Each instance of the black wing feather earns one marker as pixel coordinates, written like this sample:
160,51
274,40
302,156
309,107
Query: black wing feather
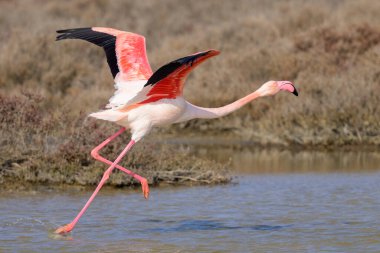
104,40
169,68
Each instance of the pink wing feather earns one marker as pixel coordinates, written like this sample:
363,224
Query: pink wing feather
168,81
125,51
131,55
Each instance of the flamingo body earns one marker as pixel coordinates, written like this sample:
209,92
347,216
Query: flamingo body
142,119
144,99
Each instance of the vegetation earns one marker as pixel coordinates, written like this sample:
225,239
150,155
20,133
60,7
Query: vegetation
330,49
43,148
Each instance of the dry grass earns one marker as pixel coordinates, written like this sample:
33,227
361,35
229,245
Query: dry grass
42,148
331,49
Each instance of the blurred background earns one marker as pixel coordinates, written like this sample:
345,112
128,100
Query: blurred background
307,167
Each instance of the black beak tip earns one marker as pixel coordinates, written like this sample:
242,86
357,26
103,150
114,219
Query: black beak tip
295,92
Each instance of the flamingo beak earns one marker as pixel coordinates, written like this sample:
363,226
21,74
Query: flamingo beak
288,86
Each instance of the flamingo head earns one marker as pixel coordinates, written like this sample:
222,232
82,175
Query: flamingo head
272,87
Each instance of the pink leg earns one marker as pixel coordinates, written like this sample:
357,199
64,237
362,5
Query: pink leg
95,154
67,228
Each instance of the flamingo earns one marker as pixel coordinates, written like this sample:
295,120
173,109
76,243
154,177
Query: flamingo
144,99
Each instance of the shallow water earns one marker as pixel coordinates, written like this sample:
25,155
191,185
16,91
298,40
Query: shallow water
329,210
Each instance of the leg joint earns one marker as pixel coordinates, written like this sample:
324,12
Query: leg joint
95,154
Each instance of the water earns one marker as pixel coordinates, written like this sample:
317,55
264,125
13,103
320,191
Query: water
281,210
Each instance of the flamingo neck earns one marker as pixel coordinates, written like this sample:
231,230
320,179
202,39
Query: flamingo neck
212,113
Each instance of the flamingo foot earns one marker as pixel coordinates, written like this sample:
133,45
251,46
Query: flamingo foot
145,187
64,229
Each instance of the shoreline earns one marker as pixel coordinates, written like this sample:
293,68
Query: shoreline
213,173
16,187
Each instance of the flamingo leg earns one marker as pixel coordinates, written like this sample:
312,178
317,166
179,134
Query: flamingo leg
95,154
67,228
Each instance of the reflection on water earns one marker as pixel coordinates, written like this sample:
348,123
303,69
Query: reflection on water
270,212
248,160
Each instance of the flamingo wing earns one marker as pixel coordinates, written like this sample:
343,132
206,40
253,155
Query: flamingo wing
125,51
168,81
